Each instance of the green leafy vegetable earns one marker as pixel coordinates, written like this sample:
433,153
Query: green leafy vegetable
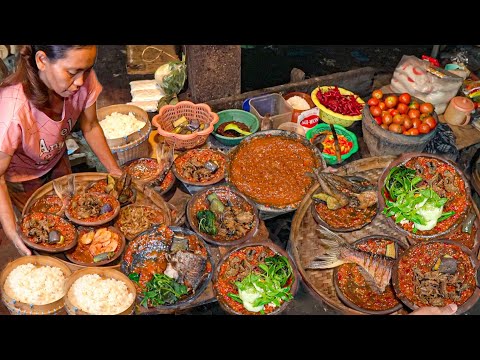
269,282
206,222
134,277
162,290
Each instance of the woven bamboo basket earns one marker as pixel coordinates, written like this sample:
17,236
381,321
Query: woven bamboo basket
20,308
134,145
305,246
104,273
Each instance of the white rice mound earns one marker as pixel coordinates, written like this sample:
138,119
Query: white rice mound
37,285
98,296
118,125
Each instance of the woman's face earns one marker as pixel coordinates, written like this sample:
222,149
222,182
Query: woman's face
65,76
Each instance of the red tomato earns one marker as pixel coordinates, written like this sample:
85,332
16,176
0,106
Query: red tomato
391,101
416,123
414,105
413,114
413,131
378,119
402,108
384,126
426,108
387,118
424,129
405,98
393,112
373,102
382,105
395,128
431,122
375,111
398,119
377,94
407,122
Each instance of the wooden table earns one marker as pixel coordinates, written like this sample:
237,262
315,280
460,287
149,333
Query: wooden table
465,136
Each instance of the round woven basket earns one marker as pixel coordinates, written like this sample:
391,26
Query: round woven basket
169,113
134,145
20,308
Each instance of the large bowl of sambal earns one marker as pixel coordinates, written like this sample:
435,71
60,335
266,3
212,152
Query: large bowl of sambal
271,167
436,273
257,278
424,196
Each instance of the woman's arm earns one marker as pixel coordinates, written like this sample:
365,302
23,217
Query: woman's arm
93,133
7,216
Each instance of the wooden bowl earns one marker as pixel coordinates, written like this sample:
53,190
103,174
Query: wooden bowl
400,279
351,303
225,192
21,308
224,300
83,230
149,244
104,273
106,198
69,243
130,236
421,235
204,154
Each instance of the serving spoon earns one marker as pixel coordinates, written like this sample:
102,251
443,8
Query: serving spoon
237,129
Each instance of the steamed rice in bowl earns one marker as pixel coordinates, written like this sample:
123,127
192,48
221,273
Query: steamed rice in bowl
97,295
36,285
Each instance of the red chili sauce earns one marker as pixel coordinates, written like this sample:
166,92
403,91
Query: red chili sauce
457,200
464,238
354,287
271,170
424,258
143,168
346,217
226,282
55,223
51,204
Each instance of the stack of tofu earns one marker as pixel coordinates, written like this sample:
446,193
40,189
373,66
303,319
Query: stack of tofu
145,94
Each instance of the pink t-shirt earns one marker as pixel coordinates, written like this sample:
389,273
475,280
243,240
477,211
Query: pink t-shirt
35,141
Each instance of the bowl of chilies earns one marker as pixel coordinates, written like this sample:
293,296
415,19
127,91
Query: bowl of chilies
322,134
337,105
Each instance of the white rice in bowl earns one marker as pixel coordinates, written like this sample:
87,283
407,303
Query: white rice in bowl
37,285
118,125
99,296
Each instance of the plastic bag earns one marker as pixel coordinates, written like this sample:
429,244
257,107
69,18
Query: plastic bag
426,82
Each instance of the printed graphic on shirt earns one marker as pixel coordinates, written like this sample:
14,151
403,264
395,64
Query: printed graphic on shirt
48,151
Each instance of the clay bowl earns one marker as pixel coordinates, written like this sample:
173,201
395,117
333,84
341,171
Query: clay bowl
234,308
400,278
422,235
71,305
149,166
100,185
399,248
280,134
70,233
199,202
21,308
203,155
83,230
102,219
165,219
345,228
148,245
49,203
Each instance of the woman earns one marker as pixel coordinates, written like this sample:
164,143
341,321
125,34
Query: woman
52,87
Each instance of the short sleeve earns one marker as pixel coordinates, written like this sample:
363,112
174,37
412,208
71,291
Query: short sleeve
94,88
10,129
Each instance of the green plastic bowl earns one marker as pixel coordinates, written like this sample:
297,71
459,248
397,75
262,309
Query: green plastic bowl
332,159
235,115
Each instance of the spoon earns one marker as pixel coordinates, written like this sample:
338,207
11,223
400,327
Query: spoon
236,128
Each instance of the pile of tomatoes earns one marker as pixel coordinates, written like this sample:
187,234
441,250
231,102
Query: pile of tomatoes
401,114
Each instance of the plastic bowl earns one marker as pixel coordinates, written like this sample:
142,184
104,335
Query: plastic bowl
332,159
235,115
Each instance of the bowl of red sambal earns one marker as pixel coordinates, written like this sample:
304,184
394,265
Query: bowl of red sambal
270,167
356,291
255,279
92,209
436,273
47,232
424,196
200,167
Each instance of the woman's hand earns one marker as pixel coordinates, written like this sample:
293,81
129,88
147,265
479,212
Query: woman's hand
435,310
21,248
116,172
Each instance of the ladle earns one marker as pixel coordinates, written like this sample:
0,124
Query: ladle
236,128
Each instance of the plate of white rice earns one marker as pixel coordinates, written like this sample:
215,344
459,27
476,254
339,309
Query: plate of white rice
118,125
99,295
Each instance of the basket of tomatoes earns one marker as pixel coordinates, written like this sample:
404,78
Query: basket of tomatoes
394,123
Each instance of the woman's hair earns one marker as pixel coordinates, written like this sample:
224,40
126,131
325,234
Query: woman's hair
26,71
